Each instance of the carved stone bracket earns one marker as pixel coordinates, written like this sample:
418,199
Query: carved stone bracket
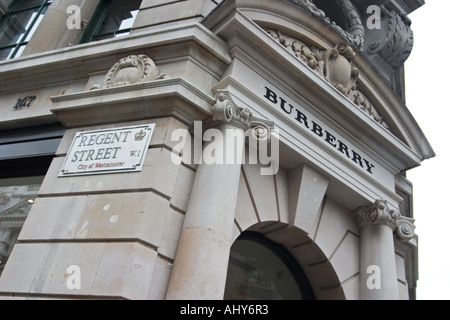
334,65
393,42
225,110
379,213
396,42
132,70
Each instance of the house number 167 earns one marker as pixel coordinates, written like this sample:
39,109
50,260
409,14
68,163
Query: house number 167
25,102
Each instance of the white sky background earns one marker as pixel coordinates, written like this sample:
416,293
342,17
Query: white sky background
427,86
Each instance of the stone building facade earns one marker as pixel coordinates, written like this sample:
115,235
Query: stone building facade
115,182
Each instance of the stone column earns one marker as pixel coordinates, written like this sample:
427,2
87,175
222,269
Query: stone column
53,32
201,262
378,226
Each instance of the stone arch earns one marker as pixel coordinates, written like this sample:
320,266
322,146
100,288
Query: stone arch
324,242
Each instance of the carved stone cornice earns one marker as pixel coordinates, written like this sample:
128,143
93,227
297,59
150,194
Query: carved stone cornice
380,214
226,111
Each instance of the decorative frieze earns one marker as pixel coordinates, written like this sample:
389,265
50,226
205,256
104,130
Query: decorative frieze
380,214
334,65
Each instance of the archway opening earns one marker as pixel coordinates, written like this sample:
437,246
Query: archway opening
260,269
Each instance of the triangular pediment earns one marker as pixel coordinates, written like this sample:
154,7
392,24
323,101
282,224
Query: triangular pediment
320,66
336,66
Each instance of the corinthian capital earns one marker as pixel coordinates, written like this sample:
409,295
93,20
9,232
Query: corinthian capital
380,213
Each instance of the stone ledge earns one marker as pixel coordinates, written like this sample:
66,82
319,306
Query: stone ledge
161,98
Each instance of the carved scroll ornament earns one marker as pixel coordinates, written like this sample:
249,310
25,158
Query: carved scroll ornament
225,110
380,213
336,66
132,70
396,43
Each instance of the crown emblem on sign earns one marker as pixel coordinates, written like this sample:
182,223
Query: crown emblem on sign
140,136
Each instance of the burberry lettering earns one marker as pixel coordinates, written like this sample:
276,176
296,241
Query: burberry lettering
331,139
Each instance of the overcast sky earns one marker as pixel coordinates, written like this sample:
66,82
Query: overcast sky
427,84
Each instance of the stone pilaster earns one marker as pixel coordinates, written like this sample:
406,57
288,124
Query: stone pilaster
201,262
378,224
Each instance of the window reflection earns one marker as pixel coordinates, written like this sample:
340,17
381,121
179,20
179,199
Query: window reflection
16,201
114,18
19,25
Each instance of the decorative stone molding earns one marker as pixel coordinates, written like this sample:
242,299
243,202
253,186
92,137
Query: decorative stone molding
309,4
225,110
351,14
396,43
336,66
132,70
379,213
356,34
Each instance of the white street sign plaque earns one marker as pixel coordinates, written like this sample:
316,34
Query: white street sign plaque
115,150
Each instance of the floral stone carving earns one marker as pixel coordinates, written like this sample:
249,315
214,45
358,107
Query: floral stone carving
336,66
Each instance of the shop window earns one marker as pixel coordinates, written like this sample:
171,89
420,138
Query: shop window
113,18
262,270
17,196
19,24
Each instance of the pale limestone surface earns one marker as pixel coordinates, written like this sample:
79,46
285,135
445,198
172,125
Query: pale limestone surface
157,234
